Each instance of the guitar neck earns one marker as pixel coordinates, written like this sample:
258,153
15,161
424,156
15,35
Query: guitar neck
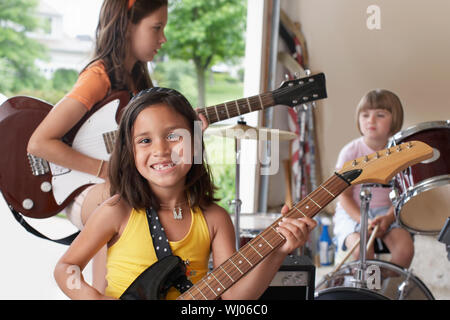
219,280
236,108
215,113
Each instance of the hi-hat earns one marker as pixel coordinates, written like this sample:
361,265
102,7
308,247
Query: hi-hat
243,131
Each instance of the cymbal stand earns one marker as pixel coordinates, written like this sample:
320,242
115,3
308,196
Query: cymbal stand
237,201
365,196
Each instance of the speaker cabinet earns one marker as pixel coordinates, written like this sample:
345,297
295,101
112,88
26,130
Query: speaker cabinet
295,280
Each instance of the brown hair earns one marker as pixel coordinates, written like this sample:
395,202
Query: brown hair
111,40
382,99
125,179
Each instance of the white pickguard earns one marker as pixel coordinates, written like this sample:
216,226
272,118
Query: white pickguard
89,141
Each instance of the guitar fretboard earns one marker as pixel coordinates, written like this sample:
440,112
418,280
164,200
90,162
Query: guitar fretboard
219,280
237,107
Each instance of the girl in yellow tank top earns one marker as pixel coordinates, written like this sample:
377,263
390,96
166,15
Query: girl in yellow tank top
158,163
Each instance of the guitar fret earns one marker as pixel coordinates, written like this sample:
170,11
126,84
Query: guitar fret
266,241
245,258
260,102
218,281
328,191
295,207
314,202
198,289
226,109
215,108
236,266
206,282
249,105
226,273
282,237
189,291
212,273
207,115
255,250
237,106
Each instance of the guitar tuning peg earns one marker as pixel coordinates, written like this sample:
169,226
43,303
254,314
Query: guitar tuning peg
296,75
286,77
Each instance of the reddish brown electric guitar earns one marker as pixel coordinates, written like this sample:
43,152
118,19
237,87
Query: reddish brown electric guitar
40,189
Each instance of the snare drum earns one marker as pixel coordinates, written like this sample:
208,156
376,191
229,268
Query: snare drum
399,285
423,190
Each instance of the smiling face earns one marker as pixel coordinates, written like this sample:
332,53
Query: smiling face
147,36
162,146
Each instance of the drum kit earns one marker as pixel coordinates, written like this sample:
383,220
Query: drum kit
420,195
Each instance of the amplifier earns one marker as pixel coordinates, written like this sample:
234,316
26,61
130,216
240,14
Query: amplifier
295,280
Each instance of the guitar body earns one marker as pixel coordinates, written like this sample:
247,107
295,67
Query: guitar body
51,188
156,280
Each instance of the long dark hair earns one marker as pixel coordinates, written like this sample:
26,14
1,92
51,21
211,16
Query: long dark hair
111,40
124,177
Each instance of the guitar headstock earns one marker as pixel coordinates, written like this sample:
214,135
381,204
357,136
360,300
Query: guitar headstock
295,92
381,166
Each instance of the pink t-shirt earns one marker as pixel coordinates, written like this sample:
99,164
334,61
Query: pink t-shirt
355,149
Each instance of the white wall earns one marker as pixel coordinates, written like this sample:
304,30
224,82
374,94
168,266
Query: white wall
409,55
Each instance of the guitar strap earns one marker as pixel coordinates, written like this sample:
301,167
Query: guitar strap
66,241
162,247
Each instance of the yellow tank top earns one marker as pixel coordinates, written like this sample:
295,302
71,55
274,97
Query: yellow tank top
134,252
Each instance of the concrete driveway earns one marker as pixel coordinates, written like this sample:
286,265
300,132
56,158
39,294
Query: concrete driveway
27,262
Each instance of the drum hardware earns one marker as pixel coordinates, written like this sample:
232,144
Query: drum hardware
242,131
369,243
365,196
403,288
444,236
347,282
402,285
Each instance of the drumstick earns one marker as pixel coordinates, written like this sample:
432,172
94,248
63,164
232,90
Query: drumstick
372,237
369,243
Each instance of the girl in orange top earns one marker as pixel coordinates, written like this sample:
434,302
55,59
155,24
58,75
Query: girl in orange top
156,164
129,35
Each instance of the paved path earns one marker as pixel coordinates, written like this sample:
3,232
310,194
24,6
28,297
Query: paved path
26,261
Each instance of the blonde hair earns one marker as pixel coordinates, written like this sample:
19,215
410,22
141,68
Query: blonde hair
382,99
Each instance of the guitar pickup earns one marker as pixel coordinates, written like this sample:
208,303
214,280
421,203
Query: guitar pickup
38,165
109,139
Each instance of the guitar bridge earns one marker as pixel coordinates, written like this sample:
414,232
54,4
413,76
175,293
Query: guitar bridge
38,165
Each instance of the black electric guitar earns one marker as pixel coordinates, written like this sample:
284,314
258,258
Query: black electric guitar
40,189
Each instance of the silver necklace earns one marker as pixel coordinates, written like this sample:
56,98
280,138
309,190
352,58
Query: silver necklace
177,211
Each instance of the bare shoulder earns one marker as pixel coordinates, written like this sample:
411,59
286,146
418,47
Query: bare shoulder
217,219
216,213
114,211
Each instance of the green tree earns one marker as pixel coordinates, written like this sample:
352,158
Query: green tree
17,51
64,79
205,32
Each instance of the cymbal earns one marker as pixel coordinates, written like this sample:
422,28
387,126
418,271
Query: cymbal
243,131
